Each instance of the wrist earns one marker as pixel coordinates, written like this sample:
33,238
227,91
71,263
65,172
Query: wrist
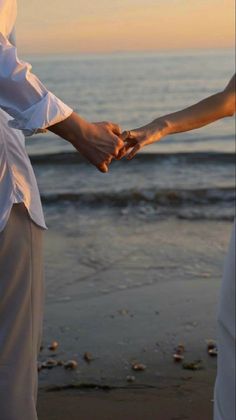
73,129
160,128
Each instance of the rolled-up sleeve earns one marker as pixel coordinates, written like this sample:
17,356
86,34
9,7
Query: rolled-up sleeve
32,107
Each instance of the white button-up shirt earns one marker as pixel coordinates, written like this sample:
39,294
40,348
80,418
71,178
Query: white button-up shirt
26,106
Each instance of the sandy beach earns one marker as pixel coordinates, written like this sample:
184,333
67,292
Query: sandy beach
131,298
186,401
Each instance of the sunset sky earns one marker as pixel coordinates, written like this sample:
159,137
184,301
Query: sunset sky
59,26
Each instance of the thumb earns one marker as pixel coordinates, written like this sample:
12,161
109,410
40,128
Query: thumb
134,151
123,152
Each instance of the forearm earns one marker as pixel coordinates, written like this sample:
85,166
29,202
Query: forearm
73,129
203,113
207,111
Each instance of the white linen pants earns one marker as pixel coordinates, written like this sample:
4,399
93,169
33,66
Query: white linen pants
21,315
224,400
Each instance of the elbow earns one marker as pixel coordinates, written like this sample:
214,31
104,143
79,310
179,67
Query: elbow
231,110
231,105
228,103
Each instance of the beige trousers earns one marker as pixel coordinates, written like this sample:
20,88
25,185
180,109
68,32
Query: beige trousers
21,315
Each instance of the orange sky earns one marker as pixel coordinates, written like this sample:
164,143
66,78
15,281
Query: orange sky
47,26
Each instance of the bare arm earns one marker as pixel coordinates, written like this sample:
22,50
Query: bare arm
211,109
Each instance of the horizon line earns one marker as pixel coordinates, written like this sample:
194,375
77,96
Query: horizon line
117,52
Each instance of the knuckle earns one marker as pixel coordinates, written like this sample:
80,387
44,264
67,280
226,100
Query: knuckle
120,143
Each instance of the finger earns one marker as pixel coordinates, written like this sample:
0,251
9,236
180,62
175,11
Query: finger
123,152
120,154
135,150
116,129
131,142
103,167
119,144
127,135
108,161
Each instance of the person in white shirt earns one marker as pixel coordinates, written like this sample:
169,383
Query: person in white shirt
27,107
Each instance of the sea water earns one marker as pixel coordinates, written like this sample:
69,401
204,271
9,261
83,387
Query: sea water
188,175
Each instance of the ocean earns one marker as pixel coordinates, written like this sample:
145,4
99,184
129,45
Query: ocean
189,175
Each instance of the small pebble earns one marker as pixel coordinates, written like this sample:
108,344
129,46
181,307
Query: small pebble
53,346
213,352
138,367
71,365
212,348
211,344
178,357
88,357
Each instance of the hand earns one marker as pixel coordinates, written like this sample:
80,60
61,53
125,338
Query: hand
99,143
136,139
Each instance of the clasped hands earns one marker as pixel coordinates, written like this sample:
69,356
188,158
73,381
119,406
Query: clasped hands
102,142
108,142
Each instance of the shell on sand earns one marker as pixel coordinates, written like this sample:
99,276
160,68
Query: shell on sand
178,357
212,348
138,367
53,346
71,365
213,352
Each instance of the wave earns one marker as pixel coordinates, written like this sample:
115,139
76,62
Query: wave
162,197
71,158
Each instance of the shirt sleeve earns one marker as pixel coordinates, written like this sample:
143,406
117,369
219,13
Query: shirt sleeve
22,95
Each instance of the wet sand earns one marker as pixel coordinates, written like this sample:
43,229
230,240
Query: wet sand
180,402
131,298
